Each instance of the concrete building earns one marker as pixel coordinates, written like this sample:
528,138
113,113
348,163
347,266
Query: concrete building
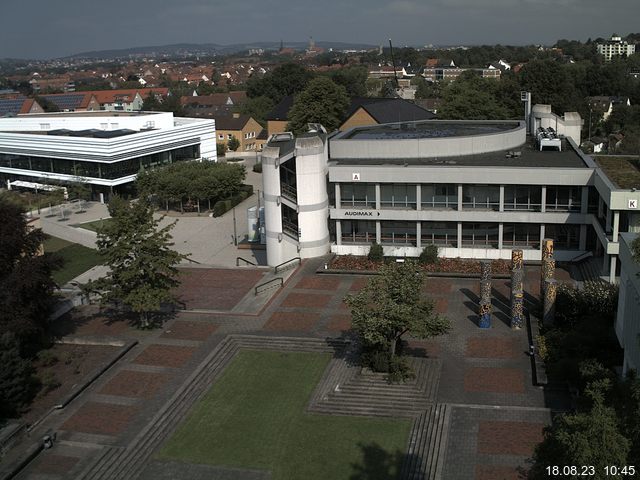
615,47
476,189
105,150
628,317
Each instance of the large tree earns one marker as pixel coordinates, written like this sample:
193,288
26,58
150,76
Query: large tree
26,286
286,79
471,97
393,304
142,265
321,102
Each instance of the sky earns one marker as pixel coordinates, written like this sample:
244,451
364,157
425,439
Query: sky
55,28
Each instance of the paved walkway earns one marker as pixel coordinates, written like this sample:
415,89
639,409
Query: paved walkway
483,379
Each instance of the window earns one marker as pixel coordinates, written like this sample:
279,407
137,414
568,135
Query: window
522,197
398,233
482,197
229,136
563,199
398,195
358,195
439,196
521,235
483,235
290,221
220,137
358,231
442,234
565,237
45,126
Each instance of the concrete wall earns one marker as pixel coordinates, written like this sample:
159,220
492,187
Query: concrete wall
429,147
627,324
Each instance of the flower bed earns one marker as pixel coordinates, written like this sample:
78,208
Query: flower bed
443,265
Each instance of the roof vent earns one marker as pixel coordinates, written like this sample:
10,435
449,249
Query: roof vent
281,137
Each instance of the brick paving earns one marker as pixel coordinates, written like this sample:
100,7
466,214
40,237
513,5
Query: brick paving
100,418
51,464
479,367
165,355
492,347
509,438
215,288
130,383
306,300
496,472
189,330
494,380
292,322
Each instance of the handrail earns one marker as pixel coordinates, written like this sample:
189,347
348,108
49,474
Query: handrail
248,262
581,257
269,283
193,261
283,264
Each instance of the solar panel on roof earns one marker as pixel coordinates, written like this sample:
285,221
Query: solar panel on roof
65,102
11,106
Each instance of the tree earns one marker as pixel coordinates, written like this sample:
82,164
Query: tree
471,97
26,286
142,266
321,102
392,304
258,108
353,79
286,79
590,438
233,144
16,380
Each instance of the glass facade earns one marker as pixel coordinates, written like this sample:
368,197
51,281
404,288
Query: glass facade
482,235
481,197
565,237
563,199
358,231
523,197
358,195
109,171
523,235
442,234
438,196
290,221
398,233
398,195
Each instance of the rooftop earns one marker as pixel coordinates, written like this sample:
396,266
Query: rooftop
430,129
526,156
624,172
89,133
97,113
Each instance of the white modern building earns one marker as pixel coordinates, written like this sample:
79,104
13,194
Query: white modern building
103,149
615,47
476,189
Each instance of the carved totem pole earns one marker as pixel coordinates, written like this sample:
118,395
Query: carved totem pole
485,294
517,289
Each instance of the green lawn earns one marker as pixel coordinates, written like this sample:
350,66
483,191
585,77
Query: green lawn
93,226
77,258
253,417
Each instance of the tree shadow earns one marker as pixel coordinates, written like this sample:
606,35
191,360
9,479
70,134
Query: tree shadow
347,347
380,464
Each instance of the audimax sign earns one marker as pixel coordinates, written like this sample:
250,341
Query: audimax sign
361,213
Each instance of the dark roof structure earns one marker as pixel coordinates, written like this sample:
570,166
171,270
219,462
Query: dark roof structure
231,122
11,106
390,110
281,110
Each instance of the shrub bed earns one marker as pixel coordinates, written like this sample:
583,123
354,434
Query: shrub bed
223,206
443,265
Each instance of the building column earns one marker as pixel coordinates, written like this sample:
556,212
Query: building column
378,199
378,232
338,197
542,236
459,235
584,206
608,221
616,225
338,232
583,238
612,269
418,197
543,203
500,234
501,204
418,234
459,199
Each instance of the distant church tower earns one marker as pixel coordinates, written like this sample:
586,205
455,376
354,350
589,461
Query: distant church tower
312,44
281,46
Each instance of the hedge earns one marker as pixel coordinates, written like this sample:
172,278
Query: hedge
223,206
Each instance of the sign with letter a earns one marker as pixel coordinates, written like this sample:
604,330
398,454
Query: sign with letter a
355,177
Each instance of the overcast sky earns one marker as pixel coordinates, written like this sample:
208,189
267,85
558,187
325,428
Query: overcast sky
54,28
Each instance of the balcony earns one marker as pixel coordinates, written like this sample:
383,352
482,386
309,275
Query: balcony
289,192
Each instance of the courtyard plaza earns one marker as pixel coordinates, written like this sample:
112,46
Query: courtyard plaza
472,413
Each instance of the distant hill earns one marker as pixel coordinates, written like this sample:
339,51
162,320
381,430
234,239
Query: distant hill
181,49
